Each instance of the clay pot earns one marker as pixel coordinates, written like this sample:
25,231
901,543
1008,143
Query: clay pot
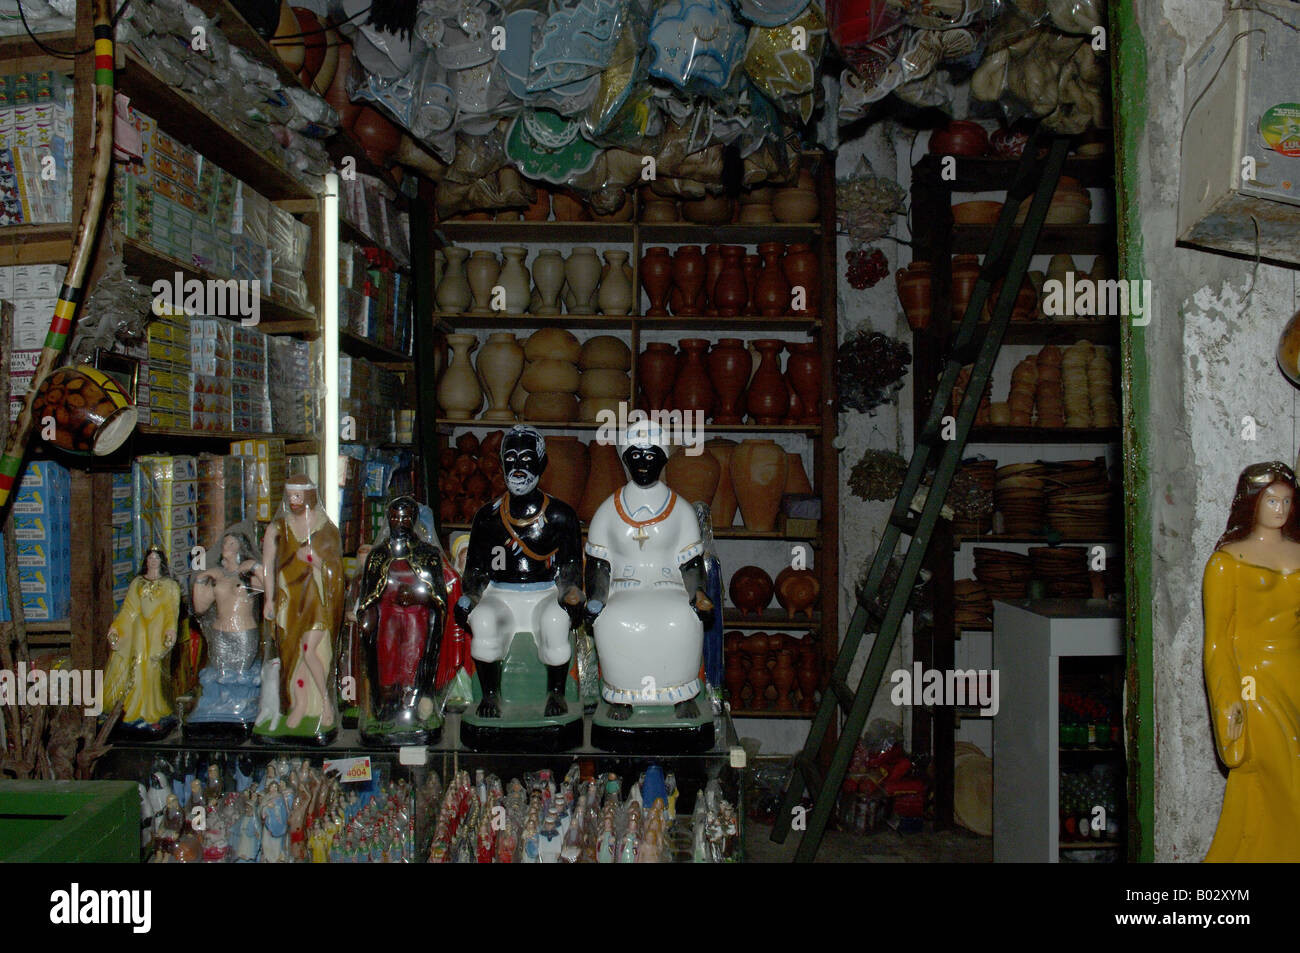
767,400
809,675
794,205
804,372
960,137
621,214
313,44
753,264
772,296
514,279
337,95
291,50
569,209
730,292
657,279
913,284
540,210
692,390
615,295
783,677
482,272
548,276
657,209
604,351
378,136
552,343
656,370
687,296
582,270
794,412
760,677
734,677
518,399
802,270
550,375
751,590
729,365
499,365
695,478
459,393
796,480
551,407
965,272
722,509
758,471
709,210
712,268
453,295
566,469
605,475
797,591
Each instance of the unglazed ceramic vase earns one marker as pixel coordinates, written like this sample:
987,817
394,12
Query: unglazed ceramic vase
804,371
514,279
566,469
772,296
794,205
459,392
965,272
796,479
687,296
695,478
692,390
913,283
722,509
753,266
729,292
500,363
656,370
540,210
615,296
453,290
783,680
729,365
657,279
482,272
801,270
809,675
548,275
569,209
582,271
734,676
439,266
758,469
751,590
605,475
768,400
797,591
712,268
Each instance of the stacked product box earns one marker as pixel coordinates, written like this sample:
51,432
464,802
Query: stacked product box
167,497
250,230
289,244
371,397
169,371
34,290
211,393
123,531
221,497
371,207
250,396
291,388
352,508
374,296
42,522
35,148
265,471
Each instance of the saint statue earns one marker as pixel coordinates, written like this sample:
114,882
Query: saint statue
141,639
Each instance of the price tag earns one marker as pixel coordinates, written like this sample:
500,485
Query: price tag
738,757
350,769
416,755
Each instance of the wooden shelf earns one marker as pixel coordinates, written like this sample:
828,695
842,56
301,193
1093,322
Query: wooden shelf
774,713
357,346
548,425
673,233
1043,435
21,54
44,244
186,120
293,443
501,319
550,233
1053,239
704,324
1105,331
736,532
699,323
1044,540
276,317
768,619
991,174
354,233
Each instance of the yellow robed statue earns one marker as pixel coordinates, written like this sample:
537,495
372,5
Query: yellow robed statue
141,639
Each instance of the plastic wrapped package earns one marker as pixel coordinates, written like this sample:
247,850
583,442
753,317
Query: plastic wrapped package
697,45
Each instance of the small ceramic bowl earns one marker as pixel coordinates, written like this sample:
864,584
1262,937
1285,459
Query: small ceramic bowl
976,213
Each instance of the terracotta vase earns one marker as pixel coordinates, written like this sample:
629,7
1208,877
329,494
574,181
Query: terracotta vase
965,272
482,272
582,271
695,478
656,370
567,468
809,676
688,280
500,364
722,509
753,264
758,469
796,479
514,279
604,475
548,276
569,209
794,409
783,677
453,293
729,365
615,295
802,270
751,590
794,205
804,371
797,591
772,295
734,676
729,292
658,209
540,210
712,268
692,390
337,94
913,283
459,392
760,677
657,279
767,400
378,136
708,210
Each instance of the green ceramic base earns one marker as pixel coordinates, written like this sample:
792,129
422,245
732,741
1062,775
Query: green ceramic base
307,733
396,734
653,729
523,700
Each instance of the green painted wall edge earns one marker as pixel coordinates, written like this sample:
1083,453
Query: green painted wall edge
1128,96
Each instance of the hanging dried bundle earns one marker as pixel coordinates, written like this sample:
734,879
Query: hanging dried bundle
878,475
865,204
871,368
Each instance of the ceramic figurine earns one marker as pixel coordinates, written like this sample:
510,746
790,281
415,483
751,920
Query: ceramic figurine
303,559
248,830
227,600
713,664
1251,588
403,614
141,639
274,813
455,666
645,587
523,575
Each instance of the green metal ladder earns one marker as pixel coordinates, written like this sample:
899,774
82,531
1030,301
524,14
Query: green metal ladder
1036,177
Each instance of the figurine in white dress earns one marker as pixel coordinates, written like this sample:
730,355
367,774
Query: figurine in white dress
645,586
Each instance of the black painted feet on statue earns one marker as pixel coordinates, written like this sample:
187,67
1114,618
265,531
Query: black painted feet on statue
556,705
686,709
489,680
555,676
620,712
490,706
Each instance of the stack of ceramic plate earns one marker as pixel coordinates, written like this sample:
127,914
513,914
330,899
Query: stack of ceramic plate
1080,498
1074,381
1003,575
1063,569
1018,496
971,497
972,607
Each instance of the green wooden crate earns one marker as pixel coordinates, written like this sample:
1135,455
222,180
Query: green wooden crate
69,822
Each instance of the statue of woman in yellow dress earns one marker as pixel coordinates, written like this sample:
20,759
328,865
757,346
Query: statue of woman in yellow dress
141,639
1252,667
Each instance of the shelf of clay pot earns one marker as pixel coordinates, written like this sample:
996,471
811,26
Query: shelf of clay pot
777,620
44,244
276,317
294,443
500,319
357,346
1052,240
549,425
768,619
773,713
187,121
569,233
687,233
991,174
1033,540
1043,435
754,322
1105,331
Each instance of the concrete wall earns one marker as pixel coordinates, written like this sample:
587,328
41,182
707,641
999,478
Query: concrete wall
1210,350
